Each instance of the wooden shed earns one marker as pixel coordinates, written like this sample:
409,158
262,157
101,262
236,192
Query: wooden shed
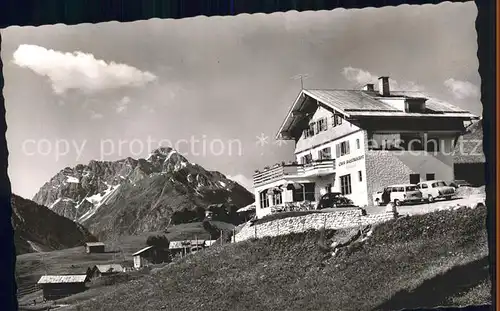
142,258
103,270
150,255
60,286
182,248
94,247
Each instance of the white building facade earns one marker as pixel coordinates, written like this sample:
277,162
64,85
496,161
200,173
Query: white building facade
356,142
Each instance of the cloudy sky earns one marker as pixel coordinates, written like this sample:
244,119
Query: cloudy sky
211,86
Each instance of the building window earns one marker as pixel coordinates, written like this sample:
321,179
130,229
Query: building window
430,176
414,178
432,144
345,184
325,154
358,144
277,199
263,199
310,131
309,193
328,188
306,159
322,125
360,174
336,120
305,193
342,148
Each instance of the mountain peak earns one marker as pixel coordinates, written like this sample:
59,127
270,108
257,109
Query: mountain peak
137,195
161,152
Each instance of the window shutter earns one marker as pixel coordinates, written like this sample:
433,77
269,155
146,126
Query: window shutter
347,150
337,150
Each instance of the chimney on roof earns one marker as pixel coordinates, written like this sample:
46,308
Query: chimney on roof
383,86
368,87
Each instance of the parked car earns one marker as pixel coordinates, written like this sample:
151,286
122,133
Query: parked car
377,197
398,194
459,183
435,189
334,199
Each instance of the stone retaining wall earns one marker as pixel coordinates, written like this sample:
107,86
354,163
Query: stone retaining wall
330,220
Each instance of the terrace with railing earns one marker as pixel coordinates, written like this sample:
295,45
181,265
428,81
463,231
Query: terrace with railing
284,170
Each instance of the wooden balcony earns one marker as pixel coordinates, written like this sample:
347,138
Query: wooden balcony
282,171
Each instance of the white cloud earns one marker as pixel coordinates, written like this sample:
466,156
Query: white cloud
243,180
78,70
148,108
95,116
362,77
122,105
462,89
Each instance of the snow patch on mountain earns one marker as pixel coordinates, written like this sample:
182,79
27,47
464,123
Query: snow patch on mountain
98,200
35,247
71,179
51,206
169,155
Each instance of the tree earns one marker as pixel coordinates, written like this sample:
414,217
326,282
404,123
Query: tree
200,213
211,229
160,241
161,251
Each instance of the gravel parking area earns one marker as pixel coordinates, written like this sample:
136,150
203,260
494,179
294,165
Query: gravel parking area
423,208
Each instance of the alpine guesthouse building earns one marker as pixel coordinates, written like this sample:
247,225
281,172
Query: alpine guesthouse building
358,141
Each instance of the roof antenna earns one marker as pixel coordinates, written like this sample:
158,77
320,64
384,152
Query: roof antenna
301,77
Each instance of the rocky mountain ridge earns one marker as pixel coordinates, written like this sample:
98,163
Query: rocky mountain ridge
136,195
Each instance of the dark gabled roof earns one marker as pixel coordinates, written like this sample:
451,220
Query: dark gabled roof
359,103
368,101
469,147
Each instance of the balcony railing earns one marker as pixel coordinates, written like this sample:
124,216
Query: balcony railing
280,171
276,172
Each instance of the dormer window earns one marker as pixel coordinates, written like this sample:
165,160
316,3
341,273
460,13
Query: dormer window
415,105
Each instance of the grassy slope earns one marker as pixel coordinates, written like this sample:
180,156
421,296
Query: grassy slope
403,263
74,260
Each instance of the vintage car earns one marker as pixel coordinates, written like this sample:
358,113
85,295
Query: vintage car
398,194
435,189
459,183
334,199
